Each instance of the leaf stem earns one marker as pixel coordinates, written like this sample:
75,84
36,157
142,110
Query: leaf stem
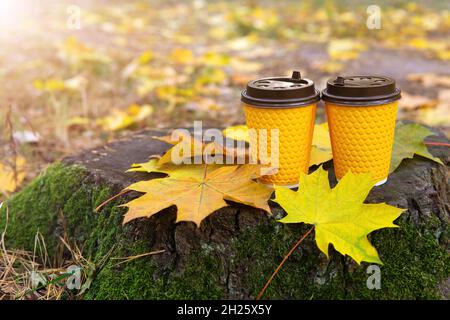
261,293
434,143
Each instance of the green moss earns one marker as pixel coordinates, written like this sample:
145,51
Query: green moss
61,201
414,263
137,280
263,248
40,205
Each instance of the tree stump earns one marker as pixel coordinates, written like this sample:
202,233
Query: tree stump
237,248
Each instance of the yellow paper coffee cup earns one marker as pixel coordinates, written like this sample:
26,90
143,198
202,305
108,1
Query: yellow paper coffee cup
361,112
280,113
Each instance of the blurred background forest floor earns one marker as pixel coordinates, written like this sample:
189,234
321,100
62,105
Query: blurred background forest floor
164,64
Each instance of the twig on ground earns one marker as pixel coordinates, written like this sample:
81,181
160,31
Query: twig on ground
261,293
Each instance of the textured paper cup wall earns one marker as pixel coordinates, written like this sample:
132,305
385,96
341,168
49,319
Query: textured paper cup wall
362,138
295,127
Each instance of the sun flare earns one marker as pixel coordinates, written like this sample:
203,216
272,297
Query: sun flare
13,13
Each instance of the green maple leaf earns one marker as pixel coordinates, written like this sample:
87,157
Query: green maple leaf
409,141
339,215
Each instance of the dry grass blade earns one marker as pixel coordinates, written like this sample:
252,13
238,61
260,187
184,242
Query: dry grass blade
131,258
31,276
121,193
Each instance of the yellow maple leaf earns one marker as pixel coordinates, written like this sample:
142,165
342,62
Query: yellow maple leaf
172,138
198,191
321,145
119,120
186,146
79,121
340,216
413,102
76,53
245,66
49,85
182,56
193,148
330,66
430,79
239,133
10,181
139,113
345,49
175,94
211,76
53,85
215,59
443,54
150,166
145,57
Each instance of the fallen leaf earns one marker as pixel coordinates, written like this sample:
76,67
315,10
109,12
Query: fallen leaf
239,79
49,85
139,113
196,148
340,216
172,138
430,79
145,86
174,94
120,120
413,102
79,121
215,59
149,167
345,49
197,191
10,178
243,43
330,66
77,53
203,105
440,114
76,83
443,54
436,47
53,85
211,76
245,66
419,43
321,145
193,148
145,57
182,56
408,141
239,133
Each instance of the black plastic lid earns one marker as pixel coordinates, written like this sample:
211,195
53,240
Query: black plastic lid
361,90
280,92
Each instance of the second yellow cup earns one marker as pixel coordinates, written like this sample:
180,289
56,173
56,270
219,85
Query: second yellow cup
361,112
281,108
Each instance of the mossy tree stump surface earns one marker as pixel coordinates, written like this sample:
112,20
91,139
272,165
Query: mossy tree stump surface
238,247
